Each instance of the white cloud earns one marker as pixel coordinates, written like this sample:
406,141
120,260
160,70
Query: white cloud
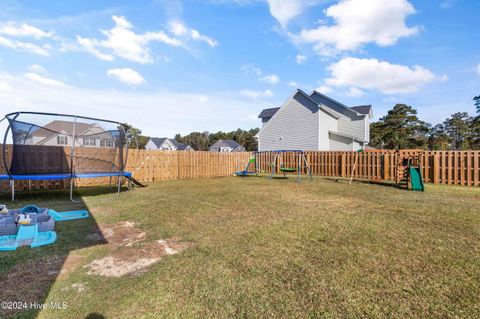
359,22
89,46
180,30
270,79
127,76
354,92
23,30
125,43
37,69
293,84
203,98
44,80
447,4
25,46
300,59
478,68
256,94
286,10
324,89
181,112
251,69
372,74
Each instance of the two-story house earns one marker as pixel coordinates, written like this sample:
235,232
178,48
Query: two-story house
314,122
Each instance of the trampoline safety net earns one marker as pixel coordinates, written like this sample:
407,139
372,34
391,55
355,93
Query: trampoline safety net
44,143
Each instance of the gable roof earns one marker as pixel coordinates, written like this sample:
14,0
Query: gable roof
225,143
179,146
351,110
158,141
58,126
362,109
308,97
268,112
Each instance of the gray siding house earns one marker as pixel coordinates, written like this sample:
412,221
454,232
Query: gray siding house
166,144
226,146
314,122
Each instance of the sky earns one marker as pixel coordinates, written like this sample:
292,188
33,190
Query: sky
170,66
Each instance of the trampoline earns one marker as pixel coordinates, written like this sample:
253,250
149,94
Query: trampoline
49,146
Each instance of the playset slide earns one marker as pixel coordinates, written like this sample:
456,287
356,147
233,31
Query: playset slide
416,178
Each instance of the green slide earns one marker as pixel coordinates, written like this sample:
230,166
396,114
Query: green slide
416,179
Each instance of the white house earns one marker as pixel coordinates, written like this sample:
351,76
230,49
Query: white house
60,133
166,144
314,122
226,146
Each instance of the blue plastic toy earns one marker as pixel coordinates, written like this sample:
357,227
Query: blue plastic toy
31,226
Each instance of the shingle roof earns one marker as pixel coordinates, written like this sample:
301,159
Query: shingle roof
268,112
58,126
225,143
158,141
179,146
362,109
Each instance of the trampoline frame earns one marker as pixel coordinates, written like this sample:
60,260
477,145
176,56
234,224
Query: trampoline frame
72,175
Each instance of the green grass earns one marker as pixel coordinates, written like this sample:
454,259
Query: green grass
275,248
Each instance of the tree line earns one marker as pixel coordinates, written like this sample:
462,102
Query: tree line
401,128
201,141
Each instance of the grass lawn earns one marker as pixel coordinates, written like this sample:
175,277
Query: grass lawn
254,247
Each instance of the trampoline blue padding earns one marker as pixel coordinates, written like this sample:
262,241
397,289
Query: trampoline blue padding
44,177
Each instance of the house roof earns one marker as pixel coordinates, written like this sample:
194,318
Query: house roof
225,143
347,136
362,109
58,126
308,97
314,92
179,146
158,141
268,112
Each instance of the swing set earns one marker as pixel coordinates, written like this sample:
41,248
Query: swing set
300,159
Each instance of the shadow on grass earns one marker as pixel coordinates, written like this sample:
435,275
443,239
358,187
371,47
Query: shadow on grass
28,274
372,182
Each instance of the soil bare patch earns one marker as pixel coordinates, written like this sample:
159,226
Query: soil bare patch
130,260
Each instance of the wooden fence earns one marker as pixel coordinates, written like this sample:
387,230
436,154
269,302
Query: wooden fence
439,167
146,166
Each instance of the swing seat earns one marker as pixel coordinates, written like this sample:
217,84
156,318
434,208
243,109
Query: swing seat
288,169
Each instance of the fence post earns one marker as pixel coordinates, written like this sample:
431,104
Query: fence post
343,164
436,170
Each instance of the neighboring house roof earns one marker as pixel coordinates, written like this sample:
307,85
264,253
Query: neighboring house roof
180,146
158,141
58,126
268,112
362,109
225,143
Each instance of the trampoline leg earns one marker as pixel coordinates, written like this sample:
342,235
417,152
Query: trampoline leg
119,185
12,187
72,184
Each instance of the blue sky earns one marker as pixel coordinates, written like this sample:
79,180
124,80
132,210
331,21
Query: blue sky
179,66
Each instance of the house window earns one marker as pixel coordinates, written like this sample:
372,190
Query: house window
88,141
106,142
61,140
